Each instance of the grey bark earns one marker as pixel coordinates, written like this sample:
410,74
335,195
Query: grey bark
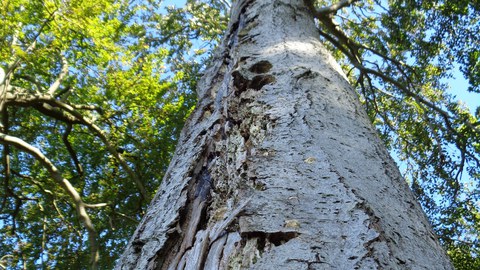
279,166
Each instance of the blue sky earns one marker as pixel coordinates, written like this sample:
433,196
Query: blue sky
177,3
458,87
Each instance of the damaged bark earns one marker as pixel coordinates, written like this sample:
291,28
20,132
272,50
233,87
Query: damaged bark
279,167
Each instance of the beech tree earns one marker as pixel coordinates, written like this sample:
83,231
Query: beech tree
279,166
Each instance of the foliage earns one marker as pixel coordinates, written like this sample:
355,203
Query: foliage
93,97
400,56
102,89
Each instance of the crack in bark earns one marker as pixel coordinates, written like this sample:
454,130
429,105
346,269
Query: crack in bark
193,218
310,263
374,222
276,238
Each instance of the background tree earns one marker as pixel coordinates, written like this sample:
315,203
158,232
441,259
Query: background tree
129,68
399,56
90,116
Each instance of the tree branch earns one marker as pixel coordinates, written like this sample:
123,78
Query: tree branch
350,48
96,205
30,48
342,37
61,76
125,216
67,113
65,184
2,76
334,8
70,149
101,134
31,79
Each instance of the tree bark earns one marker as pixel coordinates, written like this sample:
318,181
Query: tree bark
279,166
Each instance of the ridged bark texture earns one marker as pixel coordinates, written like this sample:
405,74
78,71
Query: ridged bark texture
279,167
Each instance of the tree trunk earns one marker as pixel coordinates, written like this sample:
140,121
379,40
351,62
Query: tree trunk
279,166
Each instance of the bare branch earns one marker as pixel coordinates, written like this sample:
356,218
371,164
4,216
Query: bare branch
87,108
342,37
30,48
4,82
96,205
407,91
2,76
335,7
38,102
125,216
31,179
20,96
61,76
4,258
70,149
62,217
6,155
226,4
67,113
339,45
101,134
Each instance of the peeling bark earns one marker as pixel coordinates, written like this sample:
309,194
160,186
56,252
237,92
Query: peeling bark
279,167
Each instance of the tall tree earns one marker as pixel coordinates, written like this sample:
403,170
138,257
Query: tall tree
279,166
128,67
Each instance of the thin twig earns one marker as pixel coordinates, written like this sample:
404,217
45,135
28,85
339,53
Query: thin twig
71,151
335,7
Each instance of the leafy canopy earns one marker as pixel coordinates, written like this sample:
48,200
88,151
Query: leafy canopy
101,90
401,56
93,96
